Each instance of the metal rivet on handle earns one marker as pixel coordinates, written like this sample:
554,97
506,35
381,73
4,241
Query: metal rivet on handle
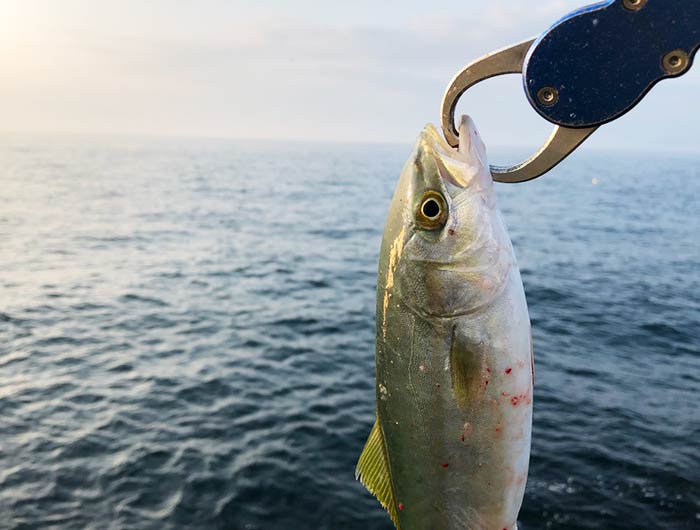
634,5
548,96
675,62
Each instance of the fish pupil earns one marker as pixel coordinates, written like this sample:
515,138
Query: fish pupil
431,209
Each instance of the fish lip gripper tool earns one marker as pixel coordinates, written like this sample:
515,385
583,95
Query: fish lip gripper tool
588,69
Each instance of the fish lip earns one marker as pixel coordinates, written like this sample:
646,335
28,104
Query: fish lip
455,168
432,138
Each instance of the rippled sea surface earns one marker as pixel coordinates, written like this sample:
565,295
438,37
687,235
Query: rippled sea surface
187,335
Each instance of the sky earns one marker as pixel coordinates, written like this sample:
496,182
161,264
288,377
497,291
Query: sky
361,71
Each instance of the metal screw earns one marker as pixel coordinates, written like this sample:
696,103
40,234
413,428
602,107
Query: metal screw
634,5
675,62
548,96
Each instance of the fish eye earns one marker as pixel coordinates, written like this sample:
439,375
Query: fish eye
432,211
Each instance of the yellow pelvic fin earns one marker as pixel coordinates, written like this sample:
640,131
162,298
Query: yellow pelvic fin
373,471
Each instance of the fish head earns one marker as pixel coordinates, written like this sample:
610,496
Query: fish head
444,214
447,180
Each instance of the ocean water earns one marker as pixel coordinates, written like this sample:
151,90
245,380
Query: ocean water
187,335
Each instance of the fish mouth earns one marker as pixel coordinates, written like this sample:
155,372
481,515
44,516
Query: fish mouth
459,167
432,140
433,151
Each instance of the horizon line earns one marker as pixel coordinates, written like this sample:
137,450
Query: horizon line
280,140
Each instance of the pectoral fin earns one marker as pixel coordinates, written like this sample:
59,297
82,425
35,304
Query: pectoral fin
373,471
468,369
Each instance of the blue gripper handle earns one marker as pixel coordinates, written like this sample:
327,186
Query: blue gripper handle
598,62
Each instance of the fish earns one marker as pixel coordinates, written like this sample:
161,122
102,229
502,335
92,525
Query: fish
450,446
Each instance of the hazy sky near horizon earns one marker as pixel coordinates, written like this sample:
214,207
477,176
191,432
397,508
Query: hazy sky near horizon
303,69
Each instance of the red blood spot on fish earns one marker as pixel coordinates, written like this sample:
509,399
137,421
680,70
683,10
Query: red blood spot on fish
401,508
445,465
462,437
509,370
498,429
515,400
488,370
451,231
486,383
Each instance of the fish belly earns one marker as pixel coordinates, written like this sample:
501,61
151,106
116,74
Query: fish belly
455,412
